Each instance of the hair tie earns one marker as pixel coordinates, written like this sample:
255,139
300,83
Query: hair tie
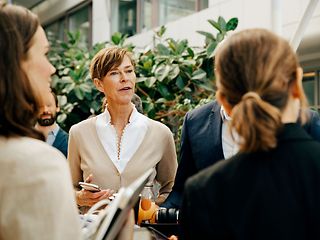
251,94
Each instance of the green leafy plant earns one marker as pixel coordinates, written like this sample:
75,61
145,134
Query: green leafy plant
172,77
78,98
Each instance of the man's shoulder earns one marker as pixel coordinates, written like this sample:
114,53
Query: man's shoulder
62,132
204,110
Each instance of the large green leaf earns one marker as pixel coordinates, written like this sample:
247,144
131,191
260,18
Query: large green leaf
190,51
85,87
172,44
79,93
180,82
182,45
211,48
150,81
147,65
162,72
220,37
148,106
164,91
232,24
161,100
162,49
116,38
222,23
215,25
141,79
199,74
161,31
207,35
66,80
174,71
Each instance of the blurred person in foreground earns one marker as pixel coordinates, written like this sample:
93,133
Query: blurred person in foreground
117,146
270,189
46,123
37,200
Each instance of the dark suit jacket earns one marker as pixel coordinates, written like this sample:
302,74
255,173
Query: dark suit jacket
263,195
313,125
61,142
201,145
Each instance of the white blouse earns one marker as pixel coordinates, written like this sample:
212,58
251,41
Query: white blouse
230,144
132,136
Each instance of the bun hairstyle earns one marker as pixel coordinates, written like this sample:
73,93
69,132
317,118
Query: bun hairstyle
255,70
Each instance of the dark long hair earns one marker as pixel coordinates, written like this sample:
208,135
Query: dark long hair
18,103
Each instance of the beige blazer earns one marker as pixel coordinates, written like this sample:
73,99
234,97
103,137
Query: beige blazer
36,195
86,155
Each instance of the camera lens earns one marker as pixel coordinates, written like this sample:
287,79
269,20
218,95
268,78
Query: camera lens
167,215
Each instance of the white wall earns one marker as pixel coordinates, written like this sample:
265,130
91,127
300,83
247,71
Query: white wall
251,13
101,28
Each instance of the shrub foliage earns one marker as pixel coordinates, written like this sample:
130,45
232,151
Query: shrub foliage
172,77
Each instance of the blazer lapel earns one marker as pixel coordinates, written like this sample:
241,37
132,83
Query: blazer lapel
215,132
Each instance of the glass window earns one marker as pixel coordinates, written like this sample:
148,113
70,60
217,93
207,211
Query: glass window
309,87
146,15
55,30
79,21
128,17
75,20
171,10
203,4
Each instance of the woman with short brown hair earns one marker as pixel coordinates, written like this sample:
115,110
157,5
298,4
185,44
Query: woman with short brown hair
120,144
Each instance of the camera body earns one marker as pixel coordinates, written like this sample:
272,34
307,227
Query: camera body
167,215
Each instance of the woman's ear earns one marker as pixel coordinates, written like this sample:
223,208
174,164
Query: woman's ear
297,84
221,98
99,84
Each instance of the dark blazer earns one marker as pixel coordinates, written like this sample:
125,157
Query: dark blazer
61,142
201,145
313,125
263,195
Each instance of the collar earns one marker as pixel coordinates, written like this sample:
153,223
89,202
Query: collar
133,116
224,114
292,131
55,131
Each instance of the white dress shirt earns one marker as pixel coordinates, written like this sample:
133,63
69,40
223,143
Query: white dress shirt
229,144
132,136
52,135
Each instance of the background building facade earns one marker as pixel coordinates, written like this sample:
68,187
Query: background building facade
98,19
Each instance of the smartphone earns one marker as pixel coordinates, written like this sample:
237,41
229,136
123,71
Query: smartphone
90,187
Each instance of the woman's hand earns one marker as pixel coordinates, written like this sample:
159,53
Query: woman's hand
173,237
87,198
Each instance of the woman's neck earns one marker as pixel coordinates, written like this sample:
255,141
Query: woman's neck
290,113
120,114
